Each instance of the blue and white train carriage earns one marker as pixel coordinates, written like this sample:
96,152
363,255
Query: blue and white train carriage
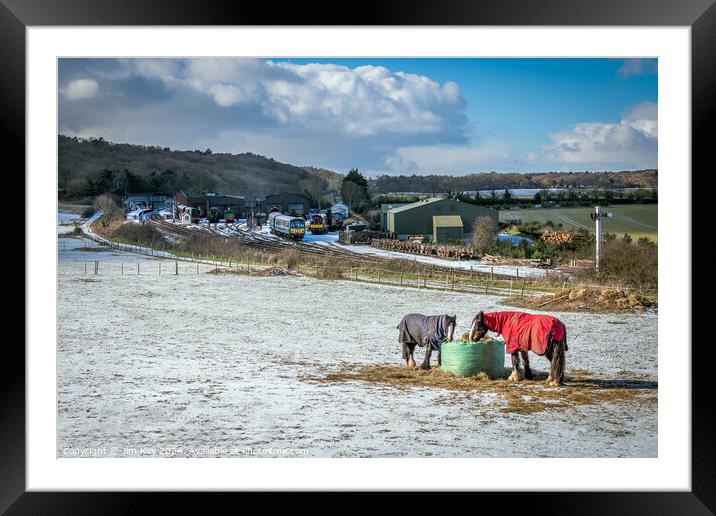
287,226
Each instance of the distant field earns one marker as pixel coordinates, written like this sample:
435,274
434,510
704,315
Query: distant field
636,219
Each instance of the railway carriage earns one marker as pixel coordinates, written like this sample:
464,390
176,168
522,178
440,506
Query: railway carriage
287,226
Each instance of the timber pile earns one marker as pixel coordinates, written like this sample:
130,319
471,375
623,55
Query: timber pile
522,262
450,252
561,237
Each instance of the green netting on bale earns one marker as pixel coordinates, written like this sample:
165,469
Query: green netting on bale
471,358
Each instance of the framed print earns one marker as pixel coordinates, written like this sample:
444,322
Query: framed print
420,250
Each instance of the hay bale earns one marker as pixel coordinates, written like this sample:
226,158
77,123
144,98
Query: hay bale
470,358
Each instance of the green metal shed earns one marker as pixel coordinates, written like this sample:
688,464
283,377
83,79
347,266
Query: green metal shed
417,218
447,228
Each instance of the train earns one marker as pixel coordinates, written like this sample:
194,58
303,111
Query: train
229,216
194,215
214,215
337,219
317,223
287,226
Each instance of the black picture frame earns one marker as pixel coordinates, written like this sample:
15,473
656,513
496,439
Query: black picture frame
16,15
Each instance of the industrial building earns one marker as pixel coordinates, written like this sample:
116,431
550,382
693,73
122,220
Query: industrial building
138,201
288,203
211,200
427,218
384,208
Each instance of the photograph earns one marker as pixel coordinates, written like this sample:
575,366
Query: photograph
357,257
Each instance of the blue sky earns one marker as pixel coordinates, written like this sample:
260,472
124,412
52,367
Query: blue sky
380,115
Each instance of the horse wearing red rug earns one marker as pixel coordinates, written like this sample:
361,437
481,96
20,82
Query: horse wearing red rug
543,335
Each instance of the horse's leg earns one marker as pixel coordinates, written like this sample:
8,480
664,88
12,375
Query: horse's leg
549,355
515,376
411,359
526,360
557,367
426,360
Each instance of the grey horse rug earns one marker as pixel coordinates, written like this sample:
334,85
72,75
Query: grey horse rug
423,330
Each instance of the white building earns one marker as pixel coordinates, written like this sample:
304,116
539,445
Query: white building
341,208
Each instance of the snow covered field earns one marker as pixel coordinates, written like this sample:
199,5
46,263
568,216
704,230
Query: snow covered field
179,363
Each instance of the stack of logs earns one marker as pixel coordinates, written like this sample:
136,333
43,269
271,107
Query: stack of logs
451,252
522,262
561,237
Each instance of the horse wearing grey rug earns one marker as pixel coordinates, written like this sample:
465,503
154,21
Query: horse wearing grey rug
427,331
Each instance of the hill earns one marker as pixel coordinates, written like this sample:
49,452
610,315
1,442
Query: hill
88,167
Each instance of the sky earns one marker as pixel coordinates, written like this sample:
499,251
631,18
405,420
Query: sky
382,116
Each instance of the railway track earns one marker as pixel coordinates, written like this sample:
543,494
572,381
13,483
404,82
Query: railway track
312,250
261,242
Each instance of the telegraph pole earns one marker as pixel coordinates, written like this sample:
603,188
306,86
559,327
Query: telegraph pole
597,217
598,221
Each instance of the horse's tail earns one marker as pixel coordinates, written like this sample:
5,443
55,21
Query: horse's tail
558,360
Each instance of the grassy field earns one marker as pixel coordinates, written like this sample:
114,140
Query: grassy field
639,220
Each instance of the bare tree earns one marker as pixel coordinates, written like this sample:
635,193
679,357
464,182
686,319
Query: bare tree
111,211
485,231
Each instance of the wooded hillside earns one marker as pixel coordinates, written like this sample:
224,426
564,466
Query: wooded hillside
95,166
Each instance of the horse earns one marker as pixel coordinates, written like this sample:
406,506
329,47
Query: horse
544,335
424,330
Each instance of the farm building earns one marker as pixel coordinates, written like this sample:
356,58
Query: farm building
384,213
447,228
288,203
210,200
417,218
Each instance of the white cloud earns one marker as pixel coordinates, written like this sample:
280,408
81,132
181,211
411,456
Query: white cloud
81,89
632,142
360,102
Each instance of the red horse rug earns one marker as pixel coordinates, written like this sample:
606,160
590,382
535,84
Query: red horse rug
528,332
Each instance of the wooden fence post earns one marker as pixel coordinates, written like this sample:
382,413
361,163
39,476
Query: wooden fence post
137,268
522,294
487,284
85,267
492,272
518,272
176,268
122,268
